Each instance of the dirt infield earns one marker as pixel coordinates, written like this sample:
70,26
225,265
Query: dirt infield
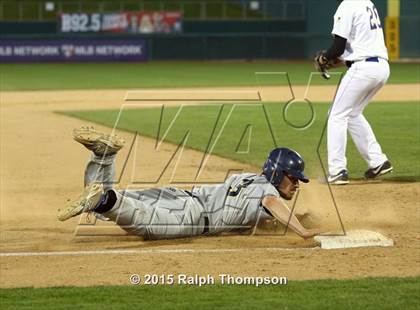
41,167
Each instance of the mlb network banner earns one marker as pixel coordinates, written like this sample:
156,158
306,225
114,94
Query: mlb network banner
127,22
68,50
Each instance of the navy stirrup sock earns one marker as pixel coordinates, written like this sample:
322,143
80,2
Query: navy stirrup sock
107,202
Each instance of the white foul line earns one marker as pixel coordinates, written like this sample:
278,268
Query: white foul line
144,251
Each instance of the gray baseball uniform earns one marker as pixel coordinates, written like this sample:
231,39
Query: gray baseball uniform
162,213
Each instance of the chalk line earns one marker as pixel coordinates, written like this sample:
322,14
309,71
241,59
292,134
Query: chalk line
145,251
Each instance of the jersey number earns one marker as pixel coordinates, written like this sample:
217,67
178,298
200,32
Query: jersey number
375,22
234,191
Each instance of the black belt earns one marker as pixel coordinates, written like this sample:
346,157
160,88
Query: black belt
370,59
206,226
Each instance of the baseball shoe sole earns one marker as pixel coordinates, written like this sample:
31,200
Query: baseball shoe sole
86,202
341,178
99,143
380,170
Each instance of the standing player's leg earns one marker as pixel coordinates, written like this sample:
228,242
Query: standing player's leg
365,141
352,90
361,131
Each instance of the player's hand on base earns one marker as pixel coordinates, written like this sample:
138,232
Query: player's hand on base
309,233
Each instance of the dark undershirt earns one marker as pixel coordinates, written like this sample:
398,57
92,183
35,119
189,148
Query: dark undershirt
268,211
337,48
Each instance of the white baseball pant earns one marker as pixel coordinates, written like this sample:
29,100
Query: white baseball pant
361,82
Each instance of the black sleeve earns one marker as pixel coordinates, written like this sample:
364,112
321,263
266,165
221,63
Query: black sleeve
337,49
268,211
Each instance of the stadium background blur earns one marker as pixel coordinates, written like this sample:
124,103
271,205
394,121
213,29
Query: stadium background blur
211,30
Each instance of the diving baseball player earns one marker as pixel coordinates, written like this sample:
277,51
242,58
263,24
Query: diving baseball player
359,44
161,213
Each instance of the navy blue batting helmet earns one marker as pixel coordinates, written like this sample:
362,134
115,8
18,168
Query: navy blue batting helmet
283,160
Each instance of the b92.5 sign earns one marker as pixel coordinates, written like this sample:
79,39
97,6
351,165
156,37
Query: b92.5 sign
80,22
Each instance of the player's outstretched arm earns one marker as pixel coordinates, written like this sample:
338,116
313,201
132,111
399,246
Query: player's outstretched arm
282,213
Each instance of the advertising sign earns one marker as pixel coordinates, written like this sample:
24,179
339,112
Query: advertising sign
127,22
68,50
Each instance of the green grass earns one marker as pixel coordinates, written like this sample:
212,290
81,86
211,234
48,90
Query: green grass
370,293
168,74
396,126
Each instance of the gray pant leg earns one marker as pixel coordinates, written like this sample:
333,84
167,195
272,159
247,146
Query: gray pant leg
160,219
152,221
101,170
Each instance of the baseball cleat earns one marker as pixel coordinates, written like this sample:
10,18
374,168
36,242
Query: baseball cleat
340,178
86,202
99,143
380,170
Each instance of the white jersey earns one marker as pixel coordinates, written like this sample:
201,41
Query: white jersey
358,22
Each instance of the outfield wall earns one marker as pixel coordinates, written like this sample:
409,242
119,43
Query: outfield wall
409,27
232,39
157,47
